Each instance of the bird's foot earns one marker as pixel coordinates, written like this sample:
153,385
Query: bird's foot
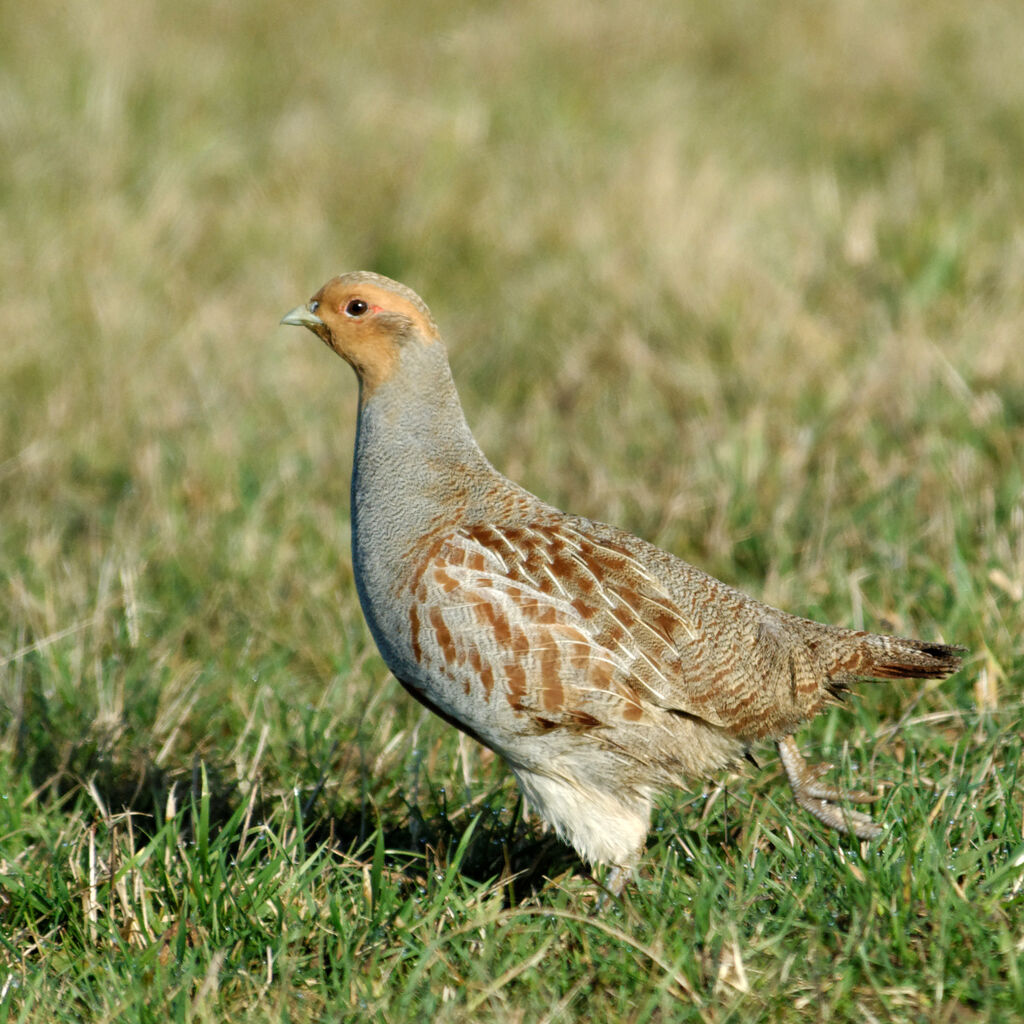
823,801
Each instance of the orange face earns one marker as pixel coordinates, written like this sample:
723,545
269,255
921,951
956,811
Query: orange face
367,320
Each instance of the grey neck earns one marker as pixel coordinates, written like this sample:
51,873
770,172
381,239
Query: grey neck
416,463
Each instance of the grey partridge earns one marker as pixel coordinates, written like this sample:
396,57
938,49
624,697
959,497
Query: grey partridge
601,668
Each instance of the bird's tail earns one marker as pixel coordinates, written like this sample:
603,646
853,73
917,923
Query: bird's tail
876,656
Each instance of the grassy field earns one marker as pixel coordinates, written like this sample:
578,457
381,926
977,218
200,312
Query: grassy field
743,278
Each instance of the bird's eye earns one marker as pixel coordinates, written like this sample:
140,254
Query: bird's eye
356,307
314,306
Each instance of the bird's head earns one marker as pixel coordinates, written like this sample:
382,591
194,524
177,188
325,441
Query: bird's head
368,320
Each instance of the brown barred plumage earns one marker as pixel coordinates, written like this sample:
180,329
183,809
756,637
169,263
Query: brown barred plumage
602,668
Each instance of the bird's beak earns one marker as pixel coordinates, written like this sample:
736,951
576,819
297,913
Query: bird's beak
302,316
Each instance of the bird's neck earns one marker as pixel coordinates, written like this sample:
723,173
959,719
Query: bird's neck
417,471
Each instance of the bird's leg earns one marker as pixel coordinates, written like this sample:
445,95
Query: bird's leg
615,881
821,800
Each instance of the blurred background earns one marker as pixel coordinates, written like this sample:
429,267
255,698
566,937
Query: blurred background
742,278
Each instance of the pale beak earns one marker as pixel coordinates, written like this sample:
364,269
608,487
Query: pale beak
302,316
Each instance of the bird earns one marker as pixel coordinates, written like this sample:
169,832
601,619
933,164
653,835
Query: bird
602,669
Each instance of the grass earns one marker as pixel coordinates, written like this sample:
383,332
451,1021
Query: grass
742,279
